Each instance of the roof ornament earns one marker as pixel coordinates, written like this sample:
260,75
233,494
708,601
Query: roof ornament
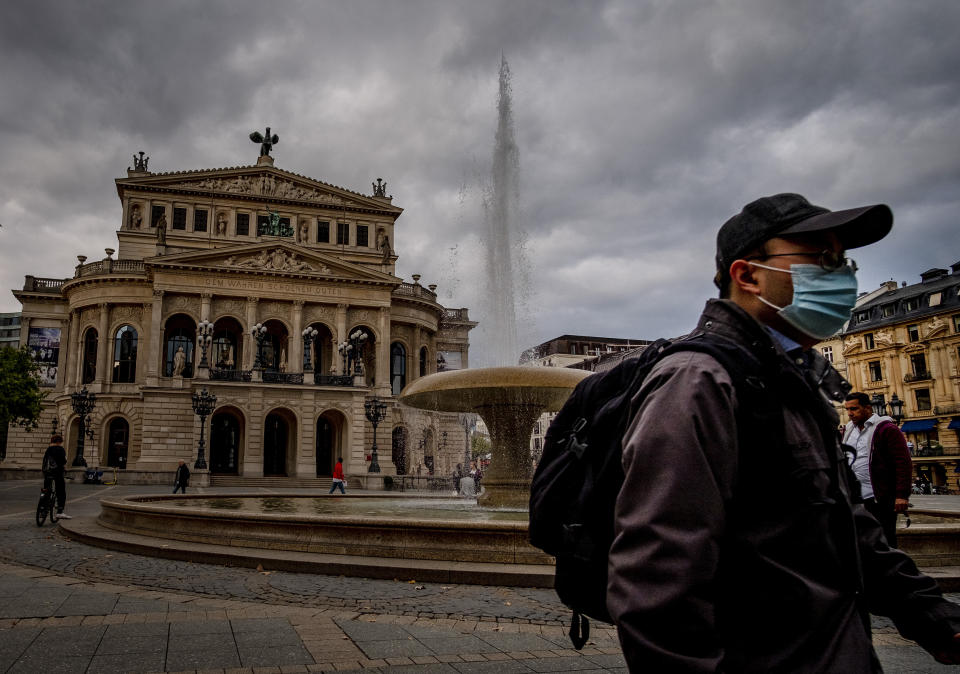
141,163
266,141
379,188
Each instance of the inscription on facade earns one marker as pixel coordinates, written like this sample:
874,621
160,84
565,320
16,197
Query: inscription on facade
281,286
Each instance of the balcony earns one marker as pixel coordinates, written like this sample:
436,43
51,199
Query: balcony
110,266
414,290
943,410
217,374
880,383
39,285
270,377
282,377
918,376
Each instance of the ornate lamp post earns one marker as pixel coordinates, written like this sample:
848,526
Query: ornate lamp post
259,333
344,348
357,340
309,334
204,338
467,421
876,402
376,410
203,404
83,403
896,409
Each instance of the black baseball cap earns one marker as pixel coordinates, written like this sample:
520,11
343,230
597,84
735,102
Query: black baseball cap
791,214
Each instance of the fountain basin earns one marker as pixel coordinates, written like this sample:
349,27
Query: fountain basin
509,400
413,528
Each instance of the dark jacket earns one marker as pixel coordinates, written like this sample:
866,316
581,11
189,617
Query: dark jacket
741,543
182,476
891,467
59,455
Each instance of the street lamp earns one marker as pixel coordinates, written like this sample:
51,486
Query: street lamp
896,409
83,403
203,403
467,421
258,332
376,410
309,334
344,348
204,337
876,402
357,340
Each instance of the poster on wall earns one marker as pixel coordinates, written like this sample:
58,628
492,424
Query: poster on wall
449,360
44,345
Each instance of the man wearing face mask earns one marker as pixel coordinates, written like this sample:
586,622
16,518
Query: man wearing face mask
741,541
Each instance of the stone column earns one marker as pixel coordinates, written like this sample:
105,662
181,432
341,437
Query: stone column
340,335
63,356
205,306
295,357
383,351
939,369
414,358
74,351
249,344
155,343
106,346
24,330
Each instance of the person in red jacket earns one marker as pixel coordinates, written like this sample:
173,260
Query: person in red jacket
338,479
881,463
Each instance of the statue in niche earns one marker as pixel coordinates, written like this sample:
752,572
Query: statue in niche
383,244
221,224
266,141
162,230
226,361
179,362
304,233
282,365
136,217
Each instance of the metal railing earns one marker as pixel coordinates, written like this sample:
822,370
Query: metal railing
216,374
282,377
919,376
333,380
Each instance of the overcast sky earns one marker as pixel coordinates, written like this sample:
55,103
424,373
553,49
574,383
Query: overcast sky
641,127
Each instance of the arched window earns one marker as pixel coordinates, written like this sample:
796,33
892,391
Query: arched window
398,368
89,357
125,355
423,361
180,333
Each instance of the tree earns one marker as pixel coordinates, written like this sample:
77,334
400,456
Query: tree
20,394
479,446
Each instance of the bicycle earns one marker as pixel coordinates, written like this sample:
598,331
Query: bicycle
47,505
116,477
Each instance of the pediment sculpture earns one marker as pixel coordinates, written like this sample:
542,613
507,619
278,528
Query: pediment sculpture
850,343
935,325
275,260
883,337
267,185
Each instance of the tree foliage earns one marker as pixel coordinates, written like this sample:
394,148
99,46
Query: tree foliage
20,394
479,446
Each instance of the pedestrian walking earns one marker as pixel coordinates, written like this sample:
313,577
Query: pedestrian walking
741,542
182,478
338,478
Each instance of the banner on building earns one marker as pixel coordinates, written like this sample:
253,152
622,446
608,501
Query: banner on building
44,345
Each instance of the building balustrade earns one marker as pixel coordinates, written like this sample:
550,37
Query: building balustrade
333,380
415,290
455,314
35,284
918,376
109,266
941,410
880,383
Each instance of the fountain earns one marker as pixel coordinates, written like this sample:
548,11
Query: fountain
509,400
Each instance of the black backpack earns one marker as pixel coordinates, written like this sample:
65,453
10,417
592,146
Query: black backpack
49,466
575,486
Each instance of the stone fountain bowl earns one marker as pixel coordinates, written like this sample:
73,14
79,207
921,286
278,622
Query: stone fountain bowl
510,400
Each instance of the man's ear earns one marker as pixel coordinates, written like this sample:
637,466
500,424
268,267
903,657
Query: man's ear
741,277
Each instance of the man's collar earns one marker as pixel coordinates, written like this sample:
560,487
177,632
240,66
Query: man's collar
787,344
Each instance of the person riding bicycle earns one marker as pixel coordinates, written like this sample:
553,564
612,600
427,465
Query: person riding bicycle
54,463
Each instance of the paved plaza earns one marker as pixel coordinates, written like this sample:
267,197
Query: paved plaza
70,607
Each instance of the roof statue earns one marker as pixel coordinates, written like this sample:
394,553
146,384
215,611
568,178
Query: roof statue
266,141
379,188
141,163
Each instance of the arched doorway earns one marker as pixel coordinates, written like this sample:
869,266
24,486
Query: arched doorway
398,368
118,443
225,441
399,449
321,350
369,355
279,441
330,432
89,373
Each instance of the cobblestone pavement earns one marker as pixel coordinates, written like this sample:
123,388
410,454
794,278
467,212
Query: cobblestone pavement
66,606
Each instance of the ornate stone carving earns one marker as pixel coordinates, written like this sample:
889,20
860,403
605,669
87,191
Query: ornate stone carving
266,185
275,260
136,216
936,324
221,223
220,307
883,337
126,313
266,142
317,312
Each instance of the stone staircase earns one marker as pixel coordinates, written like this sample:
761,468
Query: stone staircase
239,481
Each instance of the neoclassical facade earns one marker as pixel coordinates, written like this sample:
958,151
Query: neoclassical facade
309,267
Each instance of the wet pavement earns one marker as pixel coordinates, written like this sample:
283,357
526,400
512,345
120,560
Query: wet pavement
66,606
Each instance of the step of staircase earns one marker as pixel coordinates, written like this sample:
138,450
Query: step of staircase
270,482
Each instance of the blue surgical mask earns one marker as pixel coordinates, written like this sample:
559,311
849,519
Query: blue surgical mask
822,300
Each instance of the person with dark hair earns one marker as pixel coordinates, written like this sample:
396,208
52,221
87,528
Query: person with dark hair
182,478
54,465
741,543
881,462
338,478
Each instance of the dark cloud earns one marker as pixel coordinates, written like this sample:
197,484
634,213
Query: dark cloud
641,128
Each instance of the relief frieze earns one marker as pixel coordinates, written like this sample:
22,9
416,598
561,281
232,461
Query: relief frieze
264,185
275,260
